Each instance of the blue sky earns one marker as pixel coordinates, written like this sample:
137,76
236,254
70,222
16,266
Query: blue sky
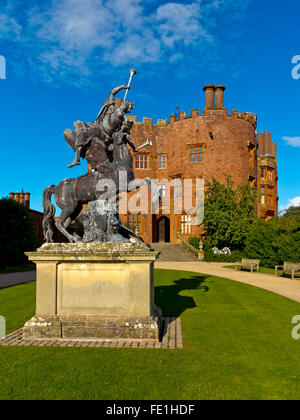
64,56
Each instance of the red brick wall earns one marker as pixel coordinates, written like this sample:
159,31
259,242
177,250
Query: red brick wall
229,147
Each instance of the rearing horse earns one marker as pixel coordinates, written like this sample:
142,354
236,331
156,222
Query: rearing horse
71,194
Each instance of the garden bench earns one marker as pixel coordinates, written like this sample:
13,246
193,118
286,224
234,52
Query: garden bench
249,264
288,268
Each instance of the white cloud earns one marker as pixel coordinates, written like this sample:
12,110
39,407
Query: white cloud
9,27
293,202
77,38
292,141
180,23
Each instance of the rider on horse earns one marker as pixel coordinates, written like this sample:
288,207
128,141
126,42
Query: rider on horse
110,120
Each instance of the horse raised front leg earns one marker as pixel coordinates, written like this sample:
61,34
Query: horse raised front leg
63,223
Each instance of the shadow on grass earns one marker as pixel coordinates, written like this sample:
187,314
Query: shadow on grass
170,301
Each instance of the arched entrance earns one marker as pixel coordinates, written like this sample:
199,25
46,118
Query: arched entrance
163,229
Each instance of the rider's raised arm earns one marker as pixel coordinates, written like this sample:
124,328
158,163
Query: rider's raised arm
115,91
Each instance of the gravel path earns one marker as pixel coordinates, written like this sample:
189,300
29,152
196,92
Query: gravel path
12,279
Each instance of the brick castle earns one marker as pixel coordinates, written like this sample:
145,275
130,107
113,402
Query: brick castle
202,146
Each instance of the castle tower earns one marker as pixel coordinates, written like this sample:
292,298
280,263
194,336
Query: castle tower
267,178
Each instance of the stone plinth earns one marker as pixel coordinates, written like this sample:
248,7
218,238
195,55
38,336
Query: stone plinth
97,290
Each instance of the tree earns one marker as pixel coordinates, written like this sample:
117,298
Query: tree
292,211
229,213
261,242
274,241
288,243
17,233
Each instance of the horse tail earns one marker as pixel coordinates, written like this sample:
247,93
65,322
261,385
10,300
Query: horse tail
49,212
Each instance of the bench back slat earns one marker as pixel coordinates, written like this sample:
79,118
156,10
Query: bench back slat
288,266
249,262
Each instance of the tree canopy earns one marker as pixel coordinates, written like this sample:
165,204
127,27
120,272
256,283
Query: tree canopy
229,213
292,211
17,233
275,241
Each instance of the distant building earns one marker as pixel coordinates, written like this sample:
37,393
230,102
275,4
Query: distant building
36,216
202,146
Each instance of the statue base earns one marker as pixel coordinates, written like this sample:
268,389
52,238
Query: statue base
96,290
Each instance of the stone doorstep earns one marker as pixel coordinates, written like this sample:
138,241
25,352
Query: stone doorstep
172,339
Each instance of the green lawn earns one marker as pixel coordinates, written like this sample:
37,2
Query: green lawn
237,345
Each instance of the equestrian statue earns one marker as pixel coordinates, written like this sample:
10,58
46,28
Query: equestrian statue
104,144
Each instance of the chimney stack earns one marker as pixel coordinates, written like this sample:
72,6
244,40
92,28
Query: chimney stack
27,200
209,96
219,96
22,197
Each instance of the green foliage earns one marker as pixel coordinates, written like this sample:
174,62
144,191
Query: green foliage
261,242
292,211
194,241
229,213
275,241
17,233
209,256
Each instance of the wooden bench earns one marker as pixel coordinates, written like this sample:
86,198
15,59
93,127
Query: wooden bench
249,264
288,268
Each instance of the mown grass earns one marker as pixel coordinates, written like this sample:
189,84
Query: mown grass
237,345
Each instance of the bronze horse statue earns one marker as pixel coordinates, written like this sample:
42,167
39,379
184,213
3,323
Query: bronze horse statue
105,164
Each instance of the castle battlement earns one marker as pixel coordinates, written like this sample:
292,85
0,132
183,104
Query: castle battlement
194,113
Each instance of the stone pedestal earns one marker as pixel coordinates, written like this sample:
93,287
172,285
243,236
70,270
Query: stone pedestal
97,290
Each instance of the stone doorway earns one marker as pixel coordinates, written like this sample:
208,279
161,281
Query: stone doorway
163,229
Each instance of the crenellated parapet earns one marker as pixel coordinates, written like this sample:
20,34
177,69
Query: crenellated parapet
247,116
194,113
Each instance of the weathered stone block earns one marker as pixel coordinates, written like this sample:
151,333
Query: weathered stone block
101,290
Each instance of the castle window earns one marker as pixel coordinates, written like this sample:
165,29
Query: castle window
141,162
162,190
270,174
134,222
263,195
162,162
262,173
196,154
186,224
252,155
177,184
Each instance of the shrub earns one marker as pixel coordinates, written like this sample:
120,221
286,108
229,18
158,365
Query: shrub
229,213
261,243
194,241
